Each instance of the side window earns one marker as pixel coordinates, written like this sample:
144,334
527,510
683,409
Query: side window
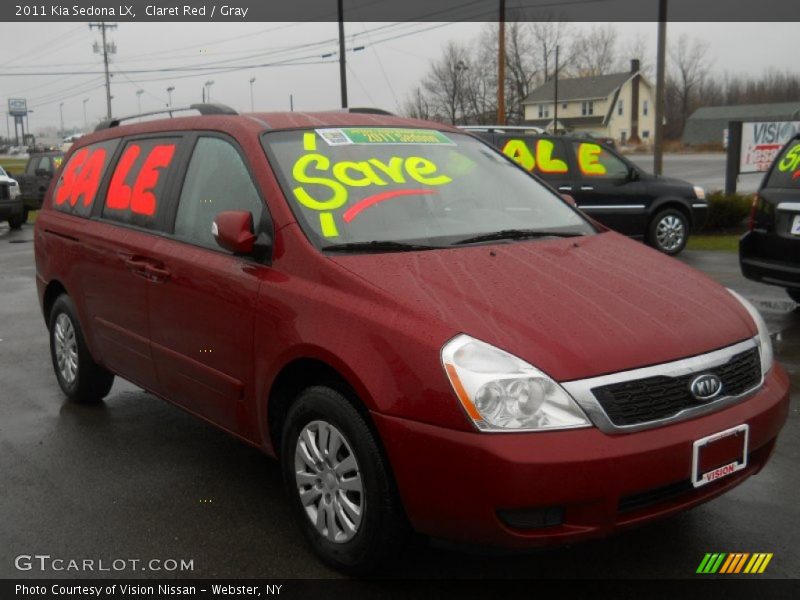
217,180
136,191
77,185
785,171
596,162
33,164
544,156
46,164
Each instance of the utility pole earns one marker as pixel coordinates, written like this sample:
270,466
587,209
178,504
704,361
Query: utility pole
139,101
61,116
501,66
658,147
555,96
342,72
170,89
252,81
207,87
112,49
291,102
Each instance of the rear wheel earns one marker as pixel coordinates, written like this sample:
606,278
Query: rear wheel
794,294
25,214
669,231
338,483
80,377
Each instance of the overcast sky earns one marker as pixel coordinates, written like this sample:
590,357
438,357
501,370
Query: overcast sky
394,58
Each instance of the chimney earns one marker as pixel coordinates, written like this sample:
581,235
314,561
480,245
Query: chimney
634,137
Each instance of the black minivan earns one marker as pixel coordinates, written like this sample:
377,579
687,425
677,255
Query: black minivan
607,186
770,250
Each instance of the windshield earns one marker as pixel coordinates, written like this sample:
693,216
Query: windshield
2,172
786,170
417,186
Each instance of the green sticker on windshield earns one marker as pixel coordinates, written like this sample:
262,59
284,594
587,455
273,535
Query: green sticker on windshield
382,135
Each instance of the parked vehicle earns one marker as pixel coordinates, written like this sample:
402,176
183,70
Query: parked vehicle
11,208
608,187
351,293
770,250
39,171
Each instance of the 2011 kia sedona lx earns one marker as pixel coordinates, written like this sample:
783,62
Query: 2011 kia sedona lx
424,335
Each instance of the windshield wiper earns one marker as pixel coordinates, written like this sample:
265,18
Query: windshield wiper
515,234
378,246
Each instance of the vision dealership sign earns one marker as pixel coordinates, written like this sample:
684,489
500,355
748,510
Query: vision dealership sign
761,143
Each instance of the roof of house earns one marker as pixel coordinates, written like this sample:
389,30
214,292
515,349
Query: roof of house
747,111
706,125
579,88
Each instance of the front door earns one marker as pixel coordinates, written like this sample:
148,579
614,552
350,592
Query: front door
202,308
608,190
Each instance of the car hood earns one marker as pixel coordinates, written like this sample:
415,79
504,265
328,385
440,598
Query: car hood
574,308
7,179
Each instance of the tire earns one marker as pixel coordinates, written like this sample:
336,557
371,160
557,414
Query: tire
81,379
25,214
379,529
15,222
794,294
669,231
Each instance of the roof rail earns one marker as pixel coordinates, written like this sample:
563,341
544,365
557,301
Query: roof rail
366,110
501,128
206,108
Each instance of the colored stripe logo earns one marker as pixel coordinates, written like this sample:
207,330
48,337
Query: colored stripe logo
734,563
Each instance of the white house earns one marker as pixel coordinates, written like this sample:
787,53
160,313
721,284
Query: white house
618,105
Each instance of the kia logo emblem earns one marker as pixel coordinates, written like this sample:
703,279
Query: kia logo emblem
705,387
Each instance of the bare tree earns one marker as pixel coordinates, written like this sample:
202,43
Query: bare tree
638,48
688,69
595,52
444,84
416,105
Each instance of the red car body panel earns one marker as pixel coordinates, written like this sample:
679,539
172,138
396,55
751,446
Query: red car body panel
214,337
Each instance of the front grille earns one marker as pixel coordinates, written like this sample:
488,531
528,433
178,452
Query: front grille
661,397
4,194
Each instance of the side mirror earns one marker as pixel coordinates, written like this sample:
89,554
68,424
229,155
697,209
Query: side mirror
633,174
233,231
569,200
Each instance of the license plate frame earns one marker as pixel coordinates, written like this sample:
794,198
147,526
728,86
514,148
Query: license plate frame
795,228
699,478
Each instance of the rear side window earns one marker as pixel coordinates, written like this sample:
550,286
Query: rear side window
136,191
217,180
80,179
545,157
597,162
786,172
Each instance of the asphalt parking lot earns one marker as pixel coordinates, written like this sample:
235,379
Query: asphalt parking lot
136,478
706,169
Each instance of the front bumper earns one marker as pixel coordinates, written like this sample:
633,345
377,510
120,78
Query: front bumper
456,484
11,208
699,215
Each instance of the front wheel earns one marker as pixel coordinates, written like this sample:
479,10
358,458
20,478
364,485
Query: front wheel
794,294
669,231
339,484
81,379
15,222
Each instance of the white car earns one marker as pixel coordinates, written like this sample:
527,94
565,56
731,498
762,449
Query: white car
11,206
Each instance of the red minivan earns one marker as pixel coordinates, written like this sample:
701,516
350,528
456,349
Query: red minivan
428,337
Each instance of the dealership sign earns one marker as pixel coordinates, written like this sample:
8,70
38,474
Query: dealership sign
17,107
762,141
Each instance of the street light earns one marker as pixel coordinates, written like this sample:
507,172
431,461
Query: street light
61,114
209,83
85,125
139,100
252,80
170,89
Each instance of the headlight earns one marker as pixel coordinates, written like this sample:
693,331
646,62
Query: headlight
501,392
764,341
699,192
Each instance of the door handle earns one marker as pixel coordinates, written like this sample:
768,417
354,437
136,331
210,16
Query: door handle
565,188
157,273
136,264
587,188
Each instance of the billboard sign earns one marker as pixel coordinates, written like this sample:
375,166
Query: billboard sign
17,107
761,142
